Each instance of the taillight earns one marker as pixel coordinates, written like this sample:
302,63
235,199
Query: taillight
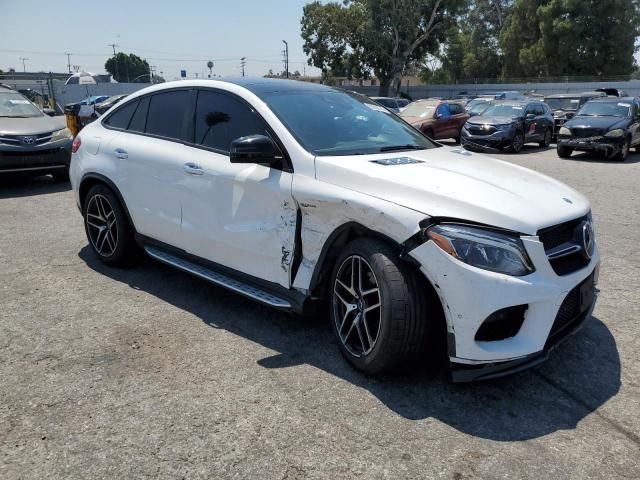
76,144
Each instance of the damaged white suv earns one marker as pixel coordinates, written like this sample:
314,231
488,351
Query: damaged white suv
291,193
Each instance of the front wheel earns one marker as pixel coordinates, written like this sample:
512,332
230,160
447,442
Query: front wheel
547,139
107,227
517,142
564,152
377,308
622,155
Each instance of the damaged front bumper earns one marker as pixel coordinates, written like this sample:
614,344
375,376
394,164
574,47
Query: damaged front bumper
607,146
471,296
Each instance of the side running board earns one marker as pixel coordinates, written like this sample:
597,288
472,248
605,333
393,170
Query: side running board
217,278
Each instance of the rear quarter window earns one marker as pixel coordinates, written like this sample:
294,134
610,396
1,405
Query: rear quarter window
122,116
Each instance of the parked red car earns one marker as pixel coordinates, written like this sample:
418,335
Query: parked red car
437,119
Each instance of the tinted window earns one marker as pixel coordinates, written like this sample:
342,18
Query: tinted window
538,109
121,117
456,109
606,109
166,113
329,122
220,119
140,117
387,102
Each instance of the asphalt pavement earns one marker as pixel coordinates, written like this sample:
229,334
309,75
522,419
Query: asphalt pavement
150,373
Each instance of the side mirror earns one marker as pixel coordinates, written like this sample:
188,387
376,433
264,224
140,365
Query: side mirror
529,116
254,149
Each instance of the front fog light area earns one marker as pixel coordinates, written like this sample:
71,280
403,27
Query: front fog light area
485,249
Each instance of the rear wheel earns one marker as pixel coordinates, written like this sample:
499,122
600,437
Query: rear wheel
107,227
517,142
564,152
547,138
377,308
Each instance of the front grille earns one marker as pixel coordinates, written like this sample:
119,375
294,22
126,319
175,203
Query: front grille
574,306
565,233
30,153
39,139
586,132
480,130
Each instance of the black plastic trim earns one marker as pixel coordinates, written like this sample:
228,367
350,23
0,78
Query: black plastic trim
101,178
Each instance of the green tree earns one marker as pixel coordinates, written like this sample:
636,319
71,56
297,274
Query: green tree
358,37
570,37
126,67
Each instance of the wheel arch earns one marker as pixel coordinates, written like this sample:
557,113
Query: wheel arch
91,179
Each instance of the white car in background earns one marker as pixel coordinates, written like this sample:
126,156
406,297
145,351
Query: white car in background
291,193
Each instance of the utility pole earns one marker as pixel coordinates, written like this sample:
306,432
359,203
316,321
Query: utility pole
285,54
68,62
243,62
116,58
24,67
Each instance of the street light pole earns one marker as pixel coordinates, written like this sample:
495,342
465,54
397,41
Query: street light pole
286,57
24,67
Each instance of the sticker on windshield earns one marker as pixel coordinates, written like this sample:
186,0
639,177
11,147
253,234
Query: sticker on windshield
19,102
624,105
516,107
377,108
574,100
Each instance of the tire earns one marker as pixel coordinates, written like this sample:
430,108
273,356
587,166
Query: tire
564,152
391,334
107,227
61,175
517,143
622,155
547,139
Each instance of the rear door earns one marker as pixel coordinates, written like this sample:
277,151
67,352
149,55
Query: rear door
531,120
151,154
635,125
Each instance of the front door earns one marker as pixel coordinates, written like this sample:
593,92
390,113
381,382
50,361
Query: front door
241,216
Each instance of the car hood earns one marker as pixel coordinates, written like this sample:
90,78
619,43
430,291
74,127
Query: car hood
596,122
30,126
489,120
454,183
414,120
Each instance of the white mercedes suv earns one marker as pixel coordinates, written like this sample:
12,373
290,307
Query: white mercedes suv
291,193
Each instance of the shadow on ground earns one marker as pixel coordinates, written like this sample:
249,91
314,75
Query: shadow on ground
15,186
581,375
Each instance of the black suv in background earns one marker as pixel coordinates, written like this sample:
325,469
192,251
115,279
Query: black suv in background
565,105
608,125
509,124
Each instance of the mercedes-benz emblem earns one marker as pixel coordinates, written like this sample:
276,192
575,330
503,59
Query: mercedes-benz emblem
28,140
588,241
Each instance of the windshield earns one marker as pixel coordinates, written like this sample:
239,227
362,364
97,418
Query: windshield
476,101
606,109
14,105
343,123
419,109
479,108
563,103
503,111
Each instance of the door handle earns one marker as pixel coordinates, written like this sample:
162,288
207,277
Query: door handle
120,153
192,168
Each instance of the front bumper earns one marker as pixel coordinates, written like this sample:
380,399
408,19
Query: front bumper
469,296
48,157
495,141
608,146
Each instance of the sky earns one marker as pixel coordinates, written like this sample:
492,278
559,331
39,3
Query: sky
171,35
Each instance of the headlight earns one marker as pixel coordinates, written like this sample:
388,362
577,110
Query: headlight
481,248
618,132
61,135
564,131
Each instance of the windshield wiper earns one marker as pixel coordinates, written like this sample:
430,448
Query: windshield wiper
395,148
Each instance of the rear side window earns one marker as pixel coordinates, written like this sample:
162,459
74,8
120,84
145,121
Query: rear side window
139,119
122,116
220,119
456,109
166,113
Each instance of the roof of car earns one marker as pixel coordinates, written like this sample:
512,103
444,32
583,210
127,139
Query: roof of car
517,101
614,99
575,94
260,85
